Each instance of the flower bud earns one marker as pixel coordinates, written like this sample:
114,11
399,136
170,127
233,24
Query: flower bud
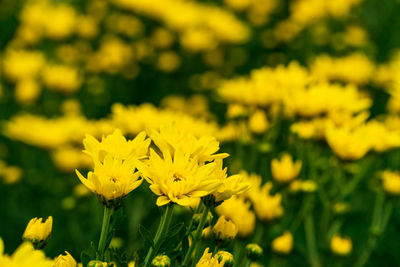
38,232
161,261
283,244
65,260
341,246
224,229
225,258
96,263
254,251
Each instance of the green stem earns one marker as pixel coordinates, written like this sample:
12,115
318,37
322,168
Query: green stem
198,252
191,221
104,232
197,236
248,263
379,223
310,239
160,234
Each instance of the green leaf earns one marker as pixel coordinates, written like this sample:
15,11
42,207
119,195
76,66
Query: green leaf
146,235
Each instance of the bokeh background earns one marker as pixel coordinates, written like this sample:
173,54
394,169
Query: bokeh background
73,67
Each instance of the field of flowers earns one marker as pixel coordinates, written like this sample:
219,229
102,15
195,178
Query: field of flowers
222,133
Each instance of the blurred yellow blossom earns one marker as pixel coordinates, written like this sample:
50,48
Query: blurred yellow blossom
341,246
283,244
286,169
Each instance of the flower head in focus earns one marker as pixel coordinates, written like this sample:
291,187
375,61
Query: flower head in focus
115,161
178,178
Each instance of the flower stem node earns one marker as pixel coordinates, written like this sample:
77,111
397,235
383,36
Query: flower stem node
254,251
161,261
96,263
110,203
210,202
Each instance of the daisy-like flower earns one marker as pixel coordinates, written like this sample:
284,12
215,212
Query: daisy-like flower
112,179
117,146
171,138
232,185
178,178
114,160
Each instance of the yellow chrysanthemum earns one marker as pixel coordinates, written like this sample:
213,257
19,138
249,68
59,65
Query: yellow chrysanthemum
267,206
178,178
112,179
286,169
114,160
232,185
207,260
24,255
37,231
65,260
171,138
117,146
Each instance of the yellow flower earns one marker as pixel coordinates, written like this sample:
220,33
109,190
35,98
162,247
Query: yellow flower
283,244
24,255
225,229
258,122
37,231
232,185
267,206
65,260
207,260
171,138
225,258
178,178
22,64
391,182
238,210
112,179
61,78
114,160
27,90
286,169
341,245
117,146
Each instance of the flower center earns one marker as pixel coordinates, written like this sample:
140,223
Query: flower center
178,177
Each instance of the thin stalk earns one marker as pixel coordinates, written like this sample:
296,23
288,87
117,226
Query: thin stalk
160,234
311,242
247,263
380,218
104,232
197,236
